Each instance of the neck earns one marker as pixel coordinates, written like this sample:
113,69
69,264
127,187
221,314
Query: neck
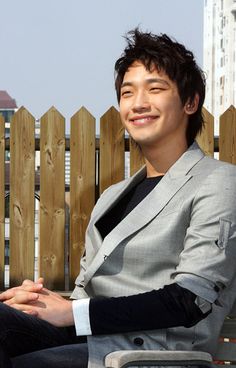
160,159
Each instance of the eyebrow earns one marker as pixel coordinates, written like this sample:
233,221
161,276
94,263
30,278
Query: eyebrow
147,81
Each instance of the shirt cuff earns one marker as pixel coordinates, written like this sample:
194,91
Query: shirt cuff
81,317
203,288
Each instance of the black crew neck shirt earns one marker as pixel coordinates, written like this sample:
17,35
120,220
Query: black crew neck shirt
126,204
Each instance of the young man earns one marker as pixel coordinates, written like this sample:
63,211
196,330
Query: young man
159,271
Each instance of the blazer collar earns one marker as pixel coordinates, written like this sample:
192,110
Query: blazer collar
187,161
180,168
147,209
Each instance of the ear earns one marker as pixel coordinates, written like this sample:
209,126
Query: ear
191,106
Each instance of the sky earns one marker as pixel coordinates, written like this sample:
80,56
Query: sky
62,52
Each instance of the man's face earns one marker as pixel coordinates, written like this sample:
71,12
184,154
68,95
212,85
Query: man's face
150,107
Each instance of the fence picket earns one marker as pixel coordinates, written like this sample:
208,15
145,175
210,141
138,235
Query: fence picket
227,139
82,184
112,158
2,201
22,172
136,157
52,199
206,138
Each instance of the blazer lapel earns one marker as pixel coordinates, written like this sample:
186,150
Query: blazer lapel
147,209
115,193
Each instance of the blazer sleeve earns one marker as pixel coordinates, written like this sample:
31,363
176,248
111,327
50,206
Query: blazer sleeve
210,243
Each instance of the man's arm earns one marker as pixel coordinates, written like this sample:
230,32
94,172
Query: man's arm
171,306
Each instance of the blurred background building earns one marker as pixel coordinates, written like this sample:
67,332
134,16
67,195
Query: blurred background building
219,57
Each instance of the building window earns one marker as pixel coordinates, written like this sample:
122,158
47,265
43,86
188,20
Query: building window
224,21
7,114
222,81
221,43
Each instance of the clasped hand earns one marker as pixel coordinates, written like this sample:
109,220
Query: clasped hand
32,298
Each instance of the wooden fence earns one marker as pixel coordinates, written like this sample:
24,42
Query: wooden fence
94,165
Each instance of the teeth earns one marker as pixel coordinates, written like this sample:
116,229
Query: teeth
142,120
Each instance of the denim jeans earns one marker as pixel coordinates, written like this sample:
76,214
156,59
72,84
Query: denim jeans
27,341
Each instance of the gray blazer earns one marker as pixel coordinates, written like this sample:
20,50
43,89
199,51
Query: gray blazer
184,231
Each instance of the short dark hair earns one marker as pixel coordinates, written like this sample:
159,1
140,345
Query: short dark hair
167,55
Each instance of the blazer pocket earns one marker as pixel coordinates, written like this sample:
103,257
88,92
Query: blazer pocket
224,233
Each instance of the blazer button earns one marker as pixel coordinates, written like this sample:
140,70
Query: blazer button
138,341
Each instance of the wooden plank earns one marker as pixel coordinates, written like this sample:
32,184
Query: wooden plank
206,138
82,184
2,201
227,139
136,157
111,166
22,197
52,199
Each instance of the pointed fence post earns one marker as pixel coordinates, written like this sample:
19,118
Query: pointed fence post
22,173
82,184
227,138
2,201
206,138
52,199
112,154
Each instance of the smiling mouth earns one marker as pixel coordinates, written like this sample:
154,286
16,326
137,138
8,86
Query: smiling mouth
143,120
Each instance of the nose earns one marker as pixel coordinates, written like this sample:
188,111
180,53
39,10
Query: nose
141,102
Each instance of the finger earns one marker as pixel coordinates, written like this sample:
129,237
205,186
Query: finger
33,288
27,282
40,280
10,293
26,285
30,285
31,312
24,308
7,294
22,297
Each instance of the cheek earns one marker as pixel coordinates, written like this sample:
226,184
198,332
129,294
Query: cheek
124,110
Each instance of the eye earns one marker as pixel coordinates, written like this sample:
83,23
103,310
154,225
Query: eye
126,93
156,89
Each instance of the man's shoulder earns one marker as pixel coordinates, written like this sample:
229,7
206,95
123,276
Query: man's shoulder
217,177
218,167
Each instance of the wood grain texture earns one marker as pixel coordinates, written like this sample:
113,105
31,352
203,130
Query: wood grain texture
112,158
22,197
52,199
136,157
2,200
206,138
82,184
227,139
